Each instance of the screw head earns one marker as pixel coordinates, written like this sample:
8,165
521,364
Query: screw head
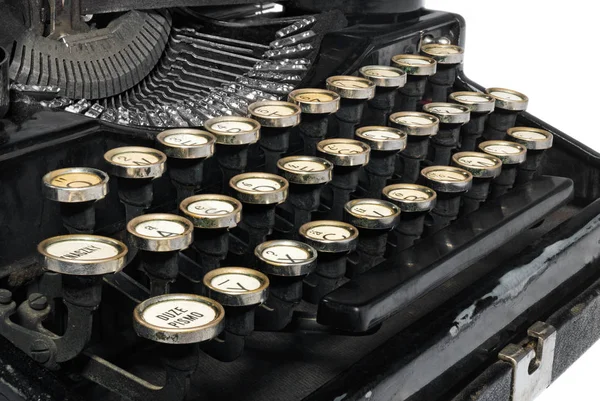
5,296
39,351
37,301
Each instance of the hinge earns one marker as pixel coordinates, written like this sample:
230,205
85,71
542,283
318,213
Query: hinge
532,362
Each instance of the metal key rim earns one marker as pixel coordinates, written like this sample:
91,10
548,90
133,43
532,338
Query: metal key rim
177,151
327,245
358,93
478,171
251,297
276,196
411,206
156,244
85,267
286,121
345,159
507,158
178,336
207,221
484,107
385,145
508,104
307,107
234,138
286,269
75,195
305,177
448,186
450,118
422,130
153,170
532,144
400,61
371,222
448,58
395,81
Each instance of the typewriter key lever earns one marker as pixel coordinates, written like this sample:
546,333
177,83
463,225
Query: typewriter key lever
306,175
385,143
286,263
374,218
481,105
415,202
240,291
417,69
186,150
452,117
316,105
387,81
333,240
419,127
449,183
77,189
537,141
159,238
354,93
448,57
135,168
233,136
347,157
509,104
512,155
81,260
212,216
484,168
260,193
277,120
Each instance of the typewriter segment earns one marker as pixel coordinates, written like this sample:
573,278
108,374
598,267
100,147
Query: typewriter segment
273,202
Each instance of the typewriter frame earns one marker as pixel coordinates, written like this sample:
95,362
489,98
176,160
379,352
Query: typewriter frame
570,303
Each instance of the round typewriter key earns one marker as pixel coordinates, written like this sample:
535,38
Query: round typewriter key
531,138
233,130
233,136
372,214
136,162
160,232
385,143
413,64
350,87
411,198
275,114
484,168
286,258
417,68
508,99
415,123
75,184
305,170
333,240
444,54
236,286
373,218
316,106
354,93
329,235
509,104
186,143
82,254
260,188
415,201
344,152
277,118
512,155
384,76
481,104
452,116
212,211
449,183
178,319
315,101
536,141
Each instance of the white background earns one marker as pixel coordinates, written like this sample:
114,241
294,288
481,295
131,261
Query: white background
549,51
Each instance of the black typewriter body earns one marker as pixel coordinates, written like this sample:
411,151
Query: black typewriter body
427,323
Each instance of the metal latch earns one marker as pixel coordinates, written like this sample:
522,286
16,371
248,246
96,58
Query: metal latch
532,362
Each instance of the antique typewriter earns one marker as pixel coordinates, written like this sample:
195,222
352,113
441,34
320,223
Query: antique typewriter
302,200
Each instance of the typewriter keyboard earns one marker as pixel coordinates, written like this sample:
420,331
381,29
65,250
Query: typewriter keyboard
260,227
